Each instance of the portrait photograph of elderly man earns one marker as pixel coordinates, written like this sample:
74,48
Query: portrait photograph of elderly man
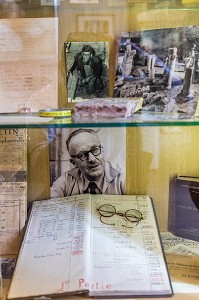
87,160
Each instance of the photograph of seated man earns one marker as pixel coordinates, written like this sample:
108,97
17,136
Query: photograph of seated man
87,70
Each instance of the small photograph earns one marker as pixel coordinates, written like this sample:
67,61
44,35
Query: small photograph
162,66
87,160
87,75
7,267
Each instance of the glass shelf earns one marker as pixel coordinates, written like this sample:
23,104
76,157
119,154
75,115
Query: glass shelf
140,119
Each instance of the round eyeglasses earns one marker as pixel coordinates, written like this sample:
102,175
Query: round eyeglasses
131,215
84,155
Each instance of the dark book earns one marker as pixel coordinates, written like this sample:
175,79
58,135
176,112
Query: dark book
184,217
98,245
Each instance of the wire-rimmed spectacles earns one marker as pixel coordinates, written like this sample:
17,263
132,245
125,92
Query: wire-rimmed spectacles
133,216
84,155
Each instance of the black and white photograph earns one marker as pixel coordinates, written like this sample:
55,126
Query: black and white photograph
7,267
162,66
87,75
87,160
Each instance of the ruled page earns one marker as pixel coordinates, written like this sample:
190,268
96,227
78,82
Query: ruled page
53,257
127,257
13,188
29,64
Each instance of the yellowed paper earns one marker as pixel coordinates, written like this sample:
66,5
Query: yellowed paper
183,262
183,268
178,245
12,215
13,152
13,188
28,58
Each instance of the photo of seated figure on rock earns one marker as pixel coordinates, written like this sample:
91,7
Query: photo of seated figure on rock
87,70
162,66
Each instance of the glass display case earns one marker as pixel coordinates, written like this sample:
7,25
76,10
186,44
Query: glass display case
157,146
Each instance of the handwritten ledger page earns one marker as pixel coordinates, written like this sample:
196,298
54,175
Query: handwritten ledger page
13,188
29,66
133,253
69,248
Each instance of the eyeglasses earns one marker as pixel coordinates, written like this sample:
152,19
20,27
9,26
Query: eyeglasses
131,215
84,155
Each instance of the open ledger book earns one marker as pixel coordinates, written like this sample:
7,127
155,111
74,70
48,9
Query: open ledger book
102,245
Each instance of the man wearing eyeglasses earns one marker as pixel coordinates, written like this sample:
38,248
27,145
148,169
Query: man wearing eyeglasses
91,173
